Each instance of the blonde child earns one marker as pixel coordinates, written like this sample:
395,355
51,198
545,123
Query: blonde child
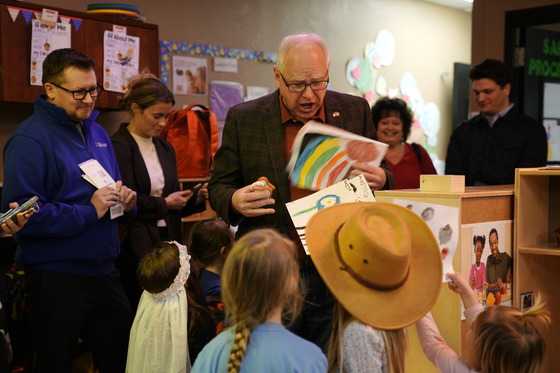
383,265
260,286
501,340
158,338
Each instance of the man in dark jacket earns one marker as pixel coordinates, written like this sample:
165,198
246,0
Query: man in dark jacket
490,146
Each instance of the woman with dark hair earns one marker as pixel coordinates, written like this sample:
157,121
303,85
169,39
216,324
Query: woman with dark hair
148,165
392,120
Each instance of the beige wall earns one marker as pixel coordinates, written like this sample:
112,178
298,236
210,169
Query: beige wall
429,38
489,22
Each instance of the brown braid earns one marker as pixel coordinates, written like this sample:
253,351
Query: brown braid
239,348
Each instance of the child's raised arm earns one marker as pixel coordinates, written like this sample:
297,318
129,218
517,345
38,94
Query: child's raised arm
460,286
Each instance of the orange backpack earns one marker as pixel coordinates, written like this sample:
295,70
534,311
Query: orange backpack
194,136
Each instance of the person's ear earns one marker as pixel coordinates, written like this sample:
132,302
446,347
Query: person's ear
49,90
507,89
277,77
135,108
223,251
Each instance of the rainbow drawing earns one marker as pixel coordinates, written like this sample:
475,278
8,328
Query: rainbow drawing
323,161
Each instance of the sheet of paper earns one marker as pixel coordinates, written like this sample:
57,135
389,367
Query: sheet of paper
444,224
95,174
322,155
301,210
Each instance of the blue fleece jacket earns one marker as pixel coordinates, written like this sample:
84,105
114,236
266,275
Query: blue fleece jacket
41,158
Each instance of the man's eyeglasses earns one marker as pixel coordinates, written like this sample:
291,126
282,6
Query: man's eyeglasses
80,94
300,87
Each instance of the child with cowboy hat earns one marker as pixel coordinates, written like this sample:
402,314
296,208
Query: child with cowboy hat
383,265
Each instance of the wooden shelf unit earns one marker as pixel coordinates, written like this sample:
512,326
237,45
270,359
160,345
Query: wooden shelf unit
479,204
15,49
536,256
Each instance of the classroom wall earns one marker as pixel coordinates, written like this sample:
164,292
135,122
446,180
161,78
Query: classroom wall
488,31
429,38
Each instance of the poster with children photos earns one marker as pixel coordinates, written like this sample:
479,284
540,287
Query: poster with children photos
120,60
505,236
189,75
45,39
443,221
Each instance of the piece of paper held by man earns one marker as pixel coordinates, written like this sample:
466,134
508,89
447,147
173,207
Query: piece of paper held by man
96,175
301,210
322,155
444,224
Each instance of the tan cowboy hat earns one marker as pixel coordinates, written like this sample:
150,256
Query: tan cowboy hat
380,260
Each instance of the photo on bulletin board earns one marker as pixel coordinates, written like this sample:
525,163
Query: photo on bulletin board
489,248
551,118
189,75
526,300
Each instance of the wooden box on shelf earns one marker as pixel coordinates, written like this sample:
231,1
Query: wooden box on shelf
536,254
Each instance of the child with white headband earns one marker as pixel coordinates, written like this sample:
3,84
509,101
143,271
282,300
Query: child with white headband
158,338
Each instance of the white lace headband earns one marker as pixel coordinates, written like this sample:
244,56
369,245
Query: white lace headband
181,278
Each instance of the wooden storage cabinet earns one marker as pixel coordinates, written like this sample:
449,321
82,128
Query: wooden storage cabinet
15,56
15,47
476,205
536,256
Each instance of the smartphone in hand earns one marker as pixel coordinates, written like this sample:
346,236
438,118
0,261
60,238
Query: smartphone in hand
29,206
195,190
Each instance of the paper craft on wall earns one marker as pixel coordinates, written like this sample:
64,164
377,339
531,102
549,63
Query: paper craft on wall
45,39
322,155
224,95
444,224
120,60
189,75
301,210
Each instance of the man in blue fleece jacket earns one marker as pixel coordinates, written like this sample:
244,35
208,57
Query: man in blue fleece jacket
69,247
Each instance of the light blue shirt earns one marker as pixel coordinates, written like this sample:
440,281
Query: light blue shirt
272,349
500,114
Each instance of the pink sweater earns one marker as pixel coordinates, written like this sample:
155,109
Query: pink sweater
435,348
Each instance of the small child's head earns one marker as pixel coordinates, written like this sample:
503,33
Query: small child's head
165,269
162,316
260,275
506,340
372,254
478,243
210,241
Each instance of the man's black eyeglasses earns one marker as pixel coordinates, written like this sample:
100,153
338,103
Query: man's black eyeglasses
80,94
300,87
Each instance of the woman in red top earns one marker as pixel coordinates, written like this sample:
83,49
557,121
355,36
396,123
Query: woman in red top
393,119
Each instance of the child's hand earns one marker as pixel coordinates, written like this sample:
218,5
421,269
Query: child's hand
461,286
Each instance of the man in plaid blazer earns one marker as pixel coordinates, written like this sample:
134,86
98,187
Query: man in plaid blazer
256,142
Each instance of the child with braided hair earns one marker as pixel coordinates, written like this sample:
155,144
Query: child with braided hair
158,338
501,340
260,287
